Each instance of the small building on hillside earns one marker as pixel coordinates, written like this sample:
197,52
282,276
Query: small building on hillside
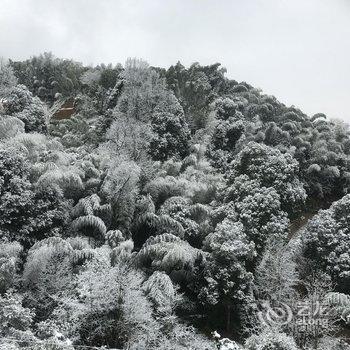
65,110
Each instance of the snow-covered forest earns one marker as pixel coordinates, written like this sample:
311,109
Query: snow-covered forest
151,208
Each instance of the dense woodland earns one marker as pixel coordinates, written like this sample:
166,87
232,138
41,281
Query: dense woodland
166,211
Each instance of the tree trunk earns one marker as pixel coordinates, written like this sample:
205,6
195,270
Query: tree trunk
228,318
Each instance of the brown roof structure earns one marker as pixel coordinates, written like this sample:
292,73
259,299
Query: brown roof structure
65,111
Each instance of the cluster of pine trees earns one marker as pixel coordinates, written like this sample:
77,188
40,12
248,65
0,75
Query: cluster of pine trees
172,204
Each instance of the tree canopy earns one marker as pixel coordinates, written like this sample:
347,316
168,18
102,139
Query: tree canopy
166,205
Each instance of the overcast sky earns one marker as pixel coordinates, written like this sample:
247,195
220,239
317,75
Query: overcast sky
297,50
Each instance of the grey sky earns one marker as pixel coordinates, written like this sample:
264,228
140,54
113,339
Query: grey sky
297,50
